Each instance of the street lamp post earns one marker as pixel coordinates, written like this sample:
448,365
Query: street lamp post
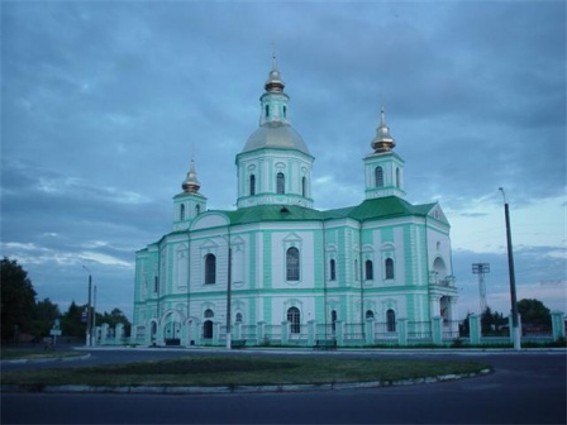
88,341
228,300
515,319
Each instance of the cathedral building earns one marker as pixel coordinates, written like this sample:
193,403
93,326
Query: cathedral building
277,271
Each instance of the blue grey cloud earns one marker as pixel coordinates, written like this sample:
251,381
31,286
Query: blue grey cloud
104,103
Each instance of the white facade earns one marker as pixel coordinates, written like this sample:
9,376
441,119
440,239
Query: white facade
277,271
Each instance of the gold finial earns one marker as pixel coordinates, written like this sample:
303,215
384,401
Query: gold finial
383,142
191,184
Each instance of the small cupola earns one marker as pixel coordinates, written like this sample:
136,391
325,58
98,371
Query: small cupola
191,184
383,141
190,203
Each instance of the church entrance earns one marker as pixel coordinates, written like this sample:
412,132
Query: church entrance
208,329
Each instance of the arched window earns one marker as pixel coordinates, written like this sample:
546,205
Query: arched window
369,270
333,269
303,186
182,212
284,109
210,268
280,184
293,317
369,314
292,263
379,176
397,177
209,314
197,209
389,265
238,318
252,185
333,320
390,321
267,111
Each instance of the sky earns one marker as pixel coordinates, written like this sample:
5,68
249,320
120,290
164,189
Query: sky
105,103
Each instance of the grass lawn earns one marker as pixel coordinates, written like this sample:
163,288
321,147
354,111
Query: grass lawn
233,371
36,353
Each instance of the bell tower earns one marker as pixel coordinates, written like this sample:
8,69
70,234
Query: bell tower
383,168
190,203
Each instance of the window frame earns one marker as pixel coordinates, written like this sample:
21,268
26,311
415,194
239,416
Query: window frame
292,264
368,270
280,183
379,176
252,185
332,269
390,320
294,318
210,269
389,272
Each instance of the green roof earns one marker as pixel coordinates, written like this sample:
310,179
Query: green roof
371,209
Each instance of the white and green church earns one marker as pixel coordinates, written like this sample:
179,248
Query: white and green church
277,271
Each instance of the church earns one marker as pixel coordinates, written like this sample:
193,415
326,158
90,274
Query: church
277,271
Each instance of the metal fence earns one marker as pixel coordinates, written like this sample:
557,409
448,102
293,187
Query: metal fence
419,332
273,332
354,331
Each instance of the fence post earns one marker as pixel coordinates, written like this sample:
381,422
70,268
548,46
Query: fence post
216,333
340,332
369,331
403,331
311,330
119,333
237,329
475,329
557,325
437,330
261,332
103,329
196,332
285,332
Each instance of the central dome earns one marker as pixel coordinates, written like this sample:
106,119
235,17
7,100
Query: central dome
276,135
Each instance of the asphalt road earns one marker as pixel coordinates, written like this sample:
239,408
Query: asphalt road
526,388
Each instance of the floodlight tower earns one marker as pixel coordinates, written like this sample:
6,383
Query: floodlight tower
481,269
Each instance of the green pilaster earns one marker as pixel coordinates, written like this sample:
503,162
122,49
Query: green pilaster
318,257
252,261
267,309
410,263
267,260
320,309
342,259
252,310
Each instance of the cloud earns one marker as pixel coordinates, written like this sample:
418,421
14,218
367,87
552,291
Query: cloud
105,103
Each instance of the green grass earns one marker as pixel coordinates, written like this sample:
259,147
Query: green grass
234,371
31,354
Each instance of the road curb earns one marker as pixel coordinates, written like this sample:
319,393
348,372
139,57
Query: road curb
224,389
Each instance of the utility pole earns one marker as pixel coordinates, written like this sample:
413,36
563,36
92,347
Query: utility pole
481,269
93,327
228,299
515,319
88,341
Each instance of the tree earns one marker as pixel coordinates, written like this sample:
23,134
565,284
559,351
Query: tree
534,312
45,314
115,317
491,322
71,323
17,299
